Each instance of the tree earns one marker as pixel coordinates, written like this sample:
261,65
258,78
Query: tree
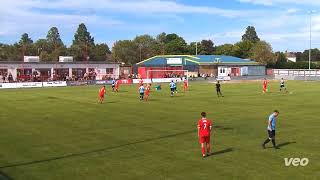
250,35
44,56
262,52
146,46
41,45
299,56
206,47
243,49
125,51
10,52
101,52
191,48
25,44
315,55
225,49
55,44
83,43
175,44
280,57
53,39
159,47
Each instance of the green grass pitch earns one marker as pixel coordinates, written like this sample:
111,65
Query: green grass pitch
63,134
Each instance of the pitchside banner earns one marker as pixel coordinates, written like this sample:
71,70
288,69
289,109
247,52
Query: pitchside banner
55,84
21,85
33,84
108,82
103,82
157,80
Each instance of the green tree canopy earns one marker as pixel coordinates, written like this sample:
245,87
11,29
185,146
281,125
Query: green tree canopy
10,52
26,45
225,49
41,45
175,44
53,39
262,52
250,35
242,49
125,51
147,45
206,47
315,55
83,44
101,52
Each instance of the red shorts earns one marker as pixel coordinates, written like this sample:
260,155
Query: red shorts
204,139
147,93
101,95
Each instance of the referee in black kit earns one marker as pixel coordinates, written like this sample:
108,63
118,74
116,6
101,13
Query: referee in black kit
218,89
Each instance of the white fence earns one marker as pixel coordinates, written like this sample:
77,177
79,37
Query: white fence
33,84
297,74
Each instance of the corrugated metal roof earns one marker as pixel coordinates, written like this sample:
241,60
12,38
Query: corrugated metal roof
200,59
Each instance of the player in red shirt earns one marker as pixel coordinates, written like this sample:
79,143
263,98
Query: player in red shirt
117,85
185,85
147,92
102,92
204,130
265,85
140,82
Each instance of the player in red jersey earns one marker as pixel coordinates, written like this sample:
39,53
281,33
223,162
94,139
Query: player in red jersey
140,82
185,85
204,130
147,92
117,85
265,85
102,92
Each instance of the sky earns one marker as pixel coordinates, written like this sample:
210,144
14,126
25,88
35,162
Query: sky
283,23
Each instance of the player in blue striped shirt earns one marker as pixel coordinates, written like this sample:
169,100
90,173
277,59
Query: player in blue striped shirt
271,130
141,92
172,87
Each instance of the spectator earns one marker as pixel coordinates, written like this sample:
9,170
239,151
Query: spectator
94,76
10,77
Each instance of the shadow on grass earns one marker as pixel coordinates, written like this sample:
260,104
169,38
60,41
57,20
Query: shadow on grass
222,128
221,151
283,144
52,97
121,92
286,143
93,151
4,176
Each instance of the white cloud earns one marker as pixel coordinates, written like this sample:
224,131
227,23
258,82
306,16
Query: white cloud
126,6
283,26
274,2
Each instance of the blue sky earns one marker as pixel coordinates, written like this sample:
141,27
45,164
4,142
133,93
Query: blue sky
283,23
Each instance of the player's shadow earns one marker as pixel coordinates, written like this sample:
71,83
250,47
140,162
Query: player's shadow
122,91
221,151
4,176
222,128
153,100
80,154
176,96
52,97
286,143
111,102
